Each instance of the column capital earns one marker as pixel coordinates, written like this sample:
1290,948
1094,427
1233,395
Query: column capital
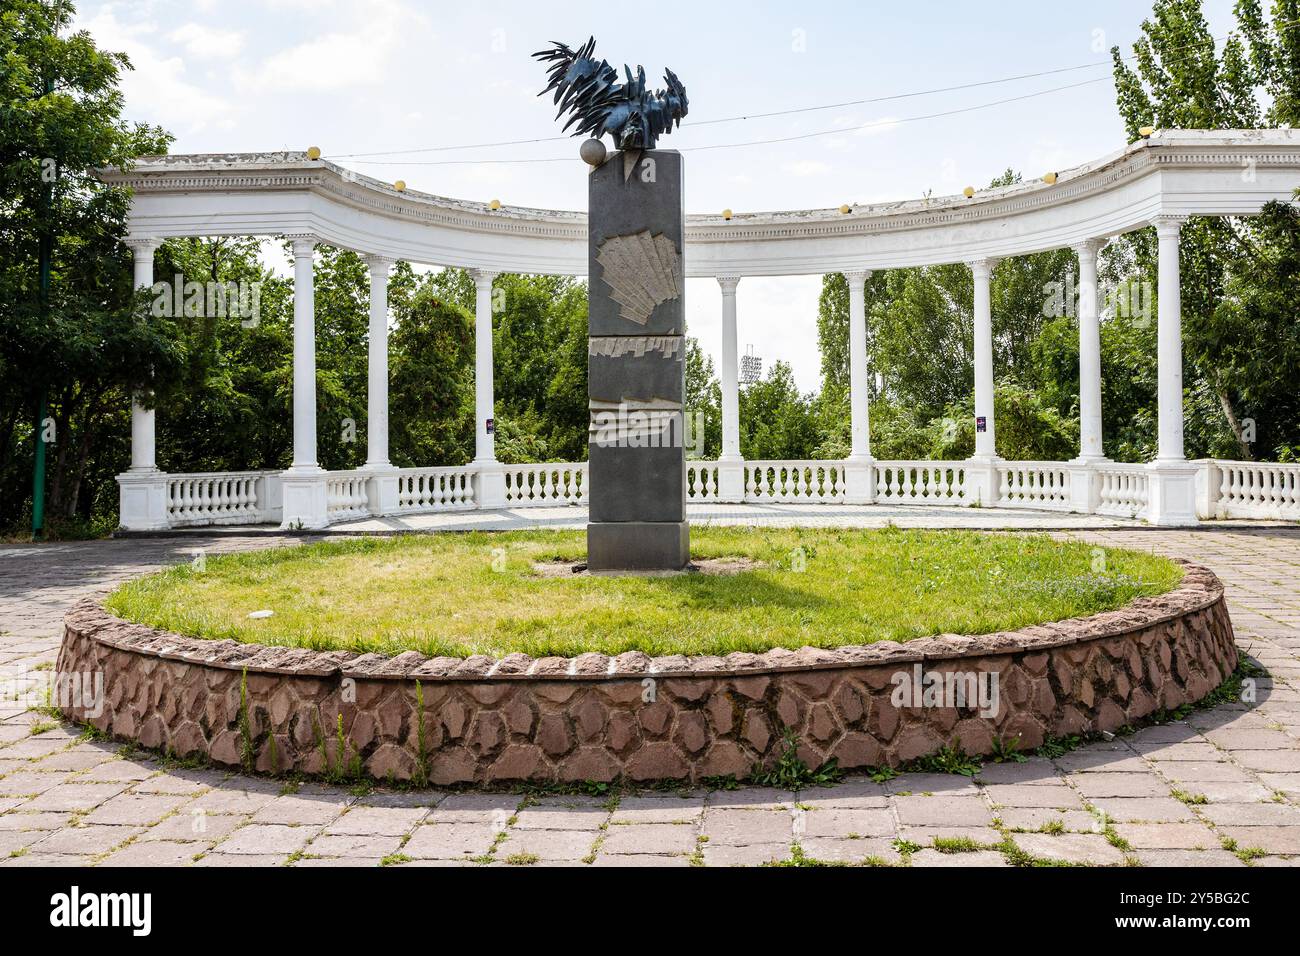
983,267
482,277
857,275
1089,247
304,243
378,265
142,245
1168,226
728,284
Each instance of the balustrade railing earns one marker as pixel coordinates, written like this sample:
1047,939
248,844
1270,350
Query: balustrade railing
1248,489
552,483
232,497
920,482
794,481
1034,484
435,489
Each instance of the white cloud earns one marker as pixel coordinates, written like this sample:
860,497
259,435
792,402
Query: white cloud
806,167
207,43
358,57
156,89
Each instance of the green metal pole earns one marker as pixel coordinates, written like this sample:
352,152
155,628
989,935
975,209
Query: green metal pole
46,255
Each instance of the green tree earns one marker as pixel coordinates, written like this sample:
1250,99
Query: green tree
60,109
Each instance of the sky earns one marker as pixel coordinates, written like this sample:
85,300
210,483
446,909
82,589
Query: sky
363,79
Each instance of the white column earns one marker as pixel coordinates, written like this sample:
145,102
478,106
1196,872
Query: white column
985,443
729,377
143,454
859,476
1169,336
304,356
731,468
377,384
859,389
982,477
1090,447
1173,478
142,489
306,500
491,492
1085,484
382,487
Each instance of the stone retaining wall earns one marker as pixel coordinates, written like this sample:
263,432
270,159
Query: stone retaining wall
598,718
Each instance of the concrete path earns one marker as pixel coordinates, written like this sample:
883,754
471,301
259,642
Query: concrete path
1219,789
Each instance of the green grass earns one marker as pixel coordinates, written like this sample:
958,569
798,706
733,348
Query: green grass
453,594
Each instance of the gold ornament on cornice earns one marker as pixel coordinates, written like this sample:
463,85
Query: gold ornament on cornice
400,185
494,205
1146,131
968,192
1049,178
313,152
726,214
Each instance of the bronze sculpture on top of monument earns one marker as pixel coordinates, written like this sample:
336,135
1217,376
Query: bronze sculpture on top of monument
636,319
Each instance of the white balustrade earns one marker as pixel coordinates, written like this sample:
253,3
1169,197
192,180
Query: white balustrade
1034,484
212,498
921,482
435,489
346,495
1250,489
701,480
794,481
1125,490
552,483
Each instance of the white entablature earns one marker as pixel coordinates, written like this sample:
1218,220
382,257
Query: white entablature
1174,173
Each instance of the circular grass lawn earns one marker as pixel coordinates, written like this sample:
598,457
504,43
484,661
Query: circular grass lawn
482,593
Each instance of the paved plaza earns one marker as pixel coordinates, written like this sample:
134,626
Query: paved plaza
1221,788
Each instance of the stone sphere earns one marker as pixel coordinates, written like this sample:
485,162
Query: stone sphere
592,152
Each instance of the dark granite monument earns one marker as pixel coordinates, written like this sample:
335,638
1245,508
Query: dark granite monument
636,313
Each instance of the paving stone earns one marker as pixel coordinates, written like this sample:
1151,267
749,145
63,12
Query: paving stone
1143,809
547,844
942,811
475,808
1271,839
267,838
752,798
925,836
153,854
731,827
142,810
577,818
1069,848
354,845
31,783
241,859
1188,858
1168,836
1035,818
75,796
658,810
933,858
640,860
300,809
1034,770
638,838
1094,785
337,861
1059,797
451,840
1251,814
378,821
830,850
193,827
89,840
232,799
841,823
756,854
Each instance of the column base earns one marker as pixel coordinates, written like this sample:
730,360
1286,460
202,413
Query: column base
638,545
142,500
731,480
982,488
381,489
1172,499
1085,487
305,499
860,481
490,484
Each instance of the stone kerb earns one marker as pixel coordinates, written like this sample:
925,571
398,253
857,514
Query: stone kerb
592,717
